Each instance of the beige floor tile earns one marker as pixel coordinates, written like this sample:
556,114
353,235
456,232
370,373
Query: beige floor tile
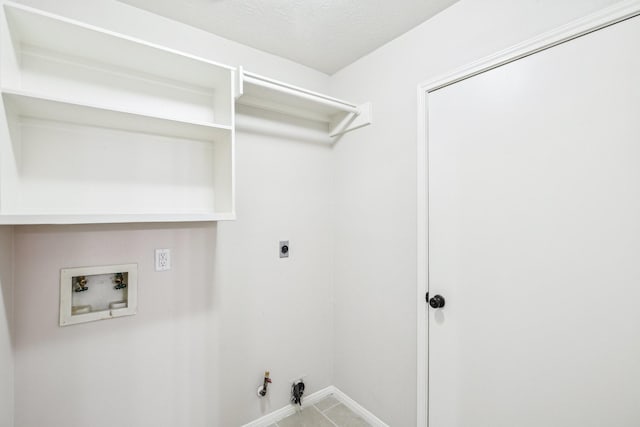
309,417
344,417
327,403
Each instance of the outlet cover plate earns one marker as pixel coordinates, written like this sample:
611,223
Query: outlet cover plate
163,259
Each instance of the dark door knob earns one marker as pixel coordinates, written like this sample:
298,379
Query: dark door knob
437,301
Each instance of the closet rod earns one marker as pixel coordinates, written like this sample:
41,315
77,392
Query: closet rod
300,93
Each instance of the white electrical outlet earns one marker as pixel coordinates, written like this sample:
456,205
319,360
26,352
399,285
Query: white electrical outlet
163,259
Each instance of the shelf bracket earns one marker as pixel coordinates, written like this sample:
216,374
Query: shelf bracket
343,123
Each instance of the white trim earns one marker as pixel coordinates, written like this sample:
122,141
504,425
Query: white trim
358,409
314,398
291,409
590,23
423,264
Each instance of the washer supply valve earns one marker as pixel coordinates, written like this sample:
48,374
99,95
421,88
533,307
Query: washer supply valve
262,390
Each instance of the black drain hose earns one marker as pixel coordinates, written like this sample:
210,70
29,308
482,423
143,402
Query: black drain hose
297,390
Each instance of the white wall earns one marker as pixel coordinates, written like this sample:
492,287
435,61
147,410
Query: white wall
375,267
229,309
6,345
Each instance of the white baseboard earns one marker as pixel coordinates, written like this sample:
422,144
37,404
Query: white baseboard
290,409
314,398
358,408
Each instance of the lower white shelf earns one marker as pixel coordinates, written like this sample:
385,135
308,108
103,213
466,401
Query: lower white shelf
110,218
64,163
29,105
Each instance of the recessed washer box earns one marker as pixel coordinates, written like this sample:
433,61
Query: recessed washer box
97,293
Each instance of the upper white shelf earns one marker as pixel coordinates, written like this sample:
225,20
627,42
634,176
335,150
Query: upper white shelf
34,27
269,94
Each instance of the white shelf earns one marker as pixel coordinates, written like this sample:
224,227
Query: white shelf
50,32
273,95
99,167
68,60
105,128
110,219
28,105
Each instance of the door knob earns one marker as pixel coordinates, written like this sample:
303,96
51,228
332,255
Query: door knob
437,301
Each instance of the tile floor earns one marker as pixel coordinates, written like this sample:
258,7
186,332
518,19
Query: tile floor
326,413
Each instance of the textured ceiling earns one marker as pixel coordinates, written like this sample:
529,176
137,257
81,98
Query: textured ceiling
322,34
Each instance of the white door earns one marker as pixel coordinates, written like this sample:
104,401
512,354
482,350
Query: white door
534,239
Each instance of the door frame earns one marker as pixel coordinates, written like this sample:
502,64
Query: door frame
588,24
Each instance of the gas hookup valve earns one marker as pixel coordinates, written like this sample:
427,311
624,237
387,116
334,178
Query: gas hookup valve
262,390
